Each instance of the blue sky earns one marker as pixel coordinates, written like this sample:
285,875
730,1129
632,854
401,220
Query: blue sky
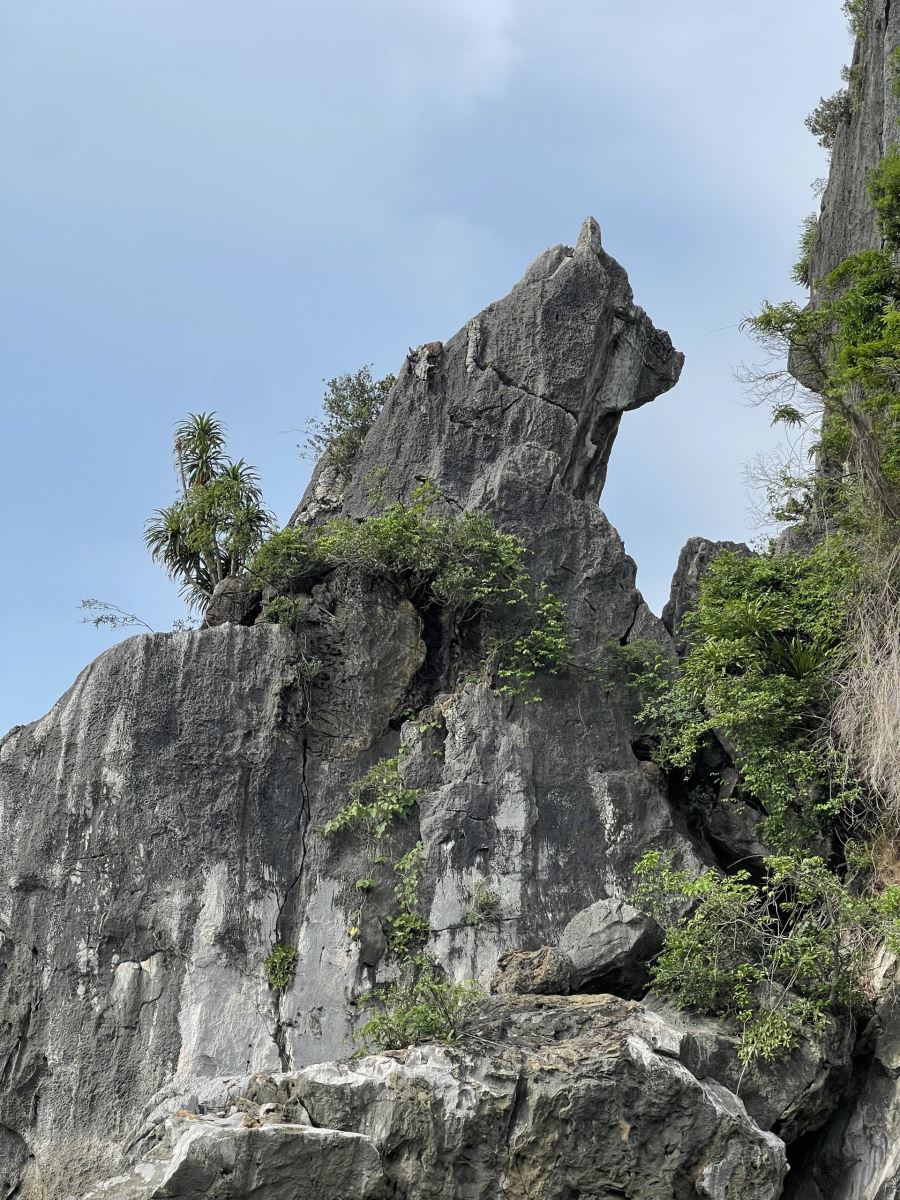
217,204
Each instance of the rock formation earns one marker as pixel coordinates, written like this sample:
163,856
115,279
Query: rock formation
161,830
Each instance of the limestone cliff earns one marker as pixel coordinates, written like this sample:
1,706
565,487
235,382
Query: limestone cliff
161,829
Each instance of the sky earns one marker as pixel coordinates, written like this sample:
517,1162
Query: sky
218,204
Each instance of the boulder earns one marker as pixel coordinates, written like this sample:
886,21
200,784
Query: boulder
532,972
610,946
235,600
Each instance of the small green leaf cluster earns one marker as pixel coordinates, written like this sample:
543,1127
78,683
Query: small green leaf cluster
284,610
849,349
376,800
856,12
351,403
765,639
545,646
800,271
280,967
428,1008
485,907
407,928
778,956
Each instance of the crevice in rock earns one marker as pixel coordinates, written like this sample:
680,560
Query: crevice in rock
508,381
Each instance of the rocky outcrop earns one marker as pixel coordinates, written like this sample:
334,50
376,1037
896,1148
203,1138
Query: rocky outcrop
162,826
548,1097
695,559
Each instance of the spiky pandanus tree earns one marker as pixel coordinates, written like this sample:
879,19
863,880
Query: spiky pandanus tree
219,519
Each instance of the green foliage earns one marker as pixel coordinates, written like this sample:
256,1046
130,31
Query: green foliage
849,348
218,520
765,640
484,909
829,116
777,956
103,615
856,12
408,929
429,1008
350,405
285,561
376,801
461,563
884,192
800,272
280,967
284,610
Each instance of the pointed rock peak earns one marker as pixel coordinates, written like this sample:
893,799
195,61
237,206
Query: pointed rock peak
589,240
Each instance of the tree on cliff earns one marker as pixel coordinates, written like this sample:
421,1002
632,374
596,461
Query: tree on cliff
219,518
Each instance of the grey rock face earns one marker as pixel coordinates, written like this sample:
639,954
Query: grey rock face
793,1097
609,945
162,828
550,1098
543,972
696,556
234,600
846,222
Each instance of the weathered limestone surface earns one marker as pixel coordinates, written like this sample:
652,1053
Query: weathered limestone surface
160,829
551,1097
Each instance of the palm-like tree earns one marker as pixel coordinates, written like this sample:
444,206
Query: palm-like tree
219,519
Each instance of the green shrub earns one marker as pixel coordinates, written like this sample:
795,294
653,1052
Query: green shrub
407,928
765,640
884,192
829,115
800,272
280,967
777,956
485,907
430,1008
461,563
894,66
286,561
377,800
350,406
284,610
849,348
856,12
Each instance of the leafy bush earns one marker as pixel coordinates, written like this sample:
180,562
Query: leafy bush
829,115
800,271
856,12
884,192
377,800
485,907
765,639
776,956
408,929
461,563
430,1008
849,348
285,561
280,967
351,404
